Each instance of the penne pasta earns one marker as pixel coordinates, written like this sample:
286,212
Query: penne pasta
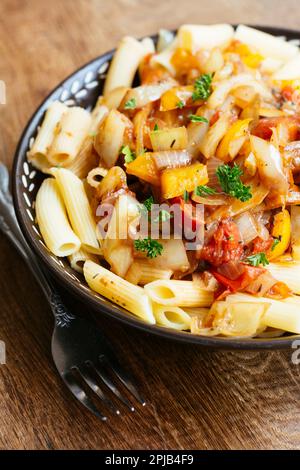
46,134
124,64
178,293
73,128
287,272
119,291
171,317
53,221
78,208
78,259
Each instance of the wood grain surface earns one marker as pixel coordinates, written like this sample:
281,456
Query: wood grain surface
196,399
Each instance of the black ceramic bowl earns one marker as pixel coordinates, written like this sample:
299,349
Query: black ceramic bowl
82,88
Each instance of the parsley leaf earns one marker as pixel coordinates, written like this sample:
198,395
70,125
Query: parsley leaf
128,154
195,118
152,247
180,104
130,104
230,181
275,243
202,87
156,128
256,260
186,196
204,191
148,203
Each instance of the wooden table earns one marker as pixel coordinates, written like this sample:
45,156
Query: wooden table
196,399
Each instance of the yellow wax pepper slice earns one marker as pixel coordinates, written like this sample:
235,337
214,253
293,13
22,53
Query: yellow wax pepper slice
282,232
177,180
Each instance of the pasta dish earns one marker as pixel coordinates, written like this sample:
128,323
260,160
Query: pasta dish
178,195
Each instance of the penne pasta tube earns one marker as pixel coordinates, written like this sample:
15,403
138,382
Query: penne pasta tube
73,128
53,221
38,152
287,272
78,208
95,176
178,293
171,317
87,158
118,290
78,259
124,64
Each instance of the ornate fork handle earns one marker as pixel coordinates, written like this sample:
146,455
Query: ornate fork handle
10,227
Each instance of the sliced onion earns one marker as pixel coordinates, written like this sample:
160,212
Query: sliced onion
171,158
165,38
269,164
247,227
212,165
292,153
210,230
232,270
262,284
145,94
205,280
214,200
261,219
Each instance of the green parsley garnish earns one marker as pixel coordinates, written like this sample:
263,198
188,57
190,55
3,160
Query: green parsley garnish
186,196
202,87
152,247
128,154
180,104
204,191
275,243
195,118
256,260
148,203
230,181
130,104
163,216
156,128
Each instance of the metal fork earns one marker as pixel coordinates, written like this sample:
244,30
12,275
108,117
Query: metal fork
83,357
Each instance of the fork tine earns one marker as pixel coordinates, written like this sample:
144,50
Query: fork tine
123,376
108,382
88,379
80,394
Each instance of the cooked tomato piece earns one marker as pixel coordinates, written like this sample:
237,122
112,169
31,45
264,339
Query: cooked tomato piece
279,291
287,93
245,279
225,245
264,128
262,246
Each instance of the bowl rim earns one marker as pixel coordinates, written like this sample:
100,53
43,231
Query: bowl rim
96,303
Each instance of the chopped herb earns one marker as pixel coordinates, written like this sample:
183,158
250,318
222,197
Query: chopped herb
256,260
163,216
180,104
275,243
230,238
93,134
128,154
156,128
186,195
204,191
202,87
130,104
148,203
195,118
172,144
230,181
152,247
